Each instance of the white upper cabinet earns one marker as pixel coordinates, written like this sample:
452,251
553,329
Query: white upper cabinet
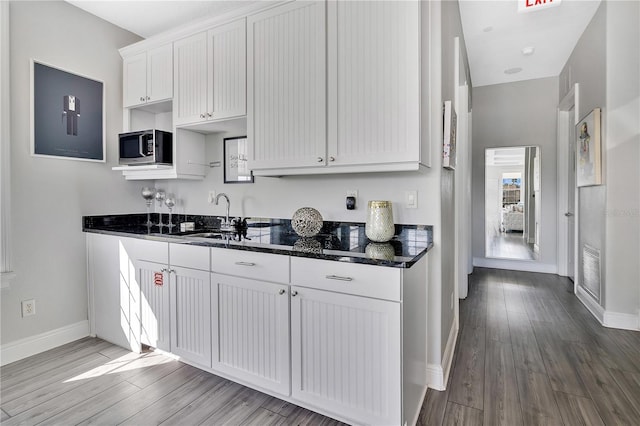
148,77
210,75
374,83
227,77
286,119
362,114
190,76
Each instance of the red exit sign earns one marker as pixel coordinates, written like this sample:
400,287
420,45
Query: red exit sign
531,5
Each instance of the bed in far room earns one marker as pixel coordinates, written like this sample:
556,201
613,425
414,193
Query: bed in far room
513,218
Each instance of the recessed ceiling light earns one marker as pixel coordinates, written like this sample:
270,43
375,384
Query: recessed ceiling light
487,29
513,70
528,51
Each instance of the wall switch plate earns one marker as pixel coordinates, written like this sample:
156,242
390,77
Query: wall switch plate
212,197
411,199
28,307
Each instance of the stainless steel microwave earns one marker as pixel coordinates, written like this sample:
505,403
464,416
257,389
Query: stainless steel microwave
146,147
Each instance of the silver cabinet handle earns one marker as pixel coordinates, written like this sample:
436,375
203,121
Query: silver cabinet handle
282,291
202,116
332,159
568,214
209,114
148,98
339,278
245,263
142,98
294,293
164,270
320,160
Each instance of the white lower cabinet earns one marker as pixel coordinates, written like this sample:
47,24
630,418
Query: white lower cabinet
344,339
154,280
346,355
251,331
191,315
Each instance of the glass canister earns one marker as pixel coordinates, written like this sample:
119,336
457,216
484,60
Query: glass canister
379,226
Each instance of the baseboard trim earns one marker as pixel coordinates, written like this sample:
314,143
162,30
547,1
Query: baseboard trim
516,265
438,375
590,303
23,348
608,318
620,320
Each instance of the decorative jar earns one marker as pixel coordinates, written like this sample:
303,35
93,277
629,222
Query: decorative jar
379,226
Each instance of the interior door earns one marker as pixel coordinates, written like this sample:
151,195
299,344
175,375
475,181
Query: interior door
571,197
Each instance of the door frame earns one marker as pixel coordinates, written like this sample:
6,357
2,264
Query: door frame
569,102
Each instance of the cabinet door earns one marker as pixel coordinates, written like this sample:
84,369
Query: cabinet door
191,315
286,117
153,279
190,79
227,71
134,80
346,355
374,82
160,73
251,331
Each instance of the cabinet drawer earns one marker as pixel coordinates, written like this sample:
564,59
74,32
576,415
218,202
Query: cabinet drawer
248,264
194,257
362,280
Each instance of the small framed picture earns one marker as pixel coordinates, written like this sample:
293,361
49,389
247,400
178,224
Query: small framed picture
588,155
449,140
236,167
67,114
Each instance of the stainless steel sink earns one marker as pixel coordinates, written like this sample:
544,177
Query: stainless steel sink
214,235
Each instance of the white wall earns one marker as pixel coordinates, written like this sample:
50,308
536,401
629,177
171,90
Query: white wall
622,157
517,114
587,66
280,197
606,64
49,196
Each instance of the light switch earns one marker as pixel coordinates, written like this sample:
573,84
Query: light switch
411,199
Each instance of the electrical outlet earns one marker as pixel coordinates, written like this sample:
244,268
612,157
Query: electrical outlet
411,199
28,307
351,200
212,197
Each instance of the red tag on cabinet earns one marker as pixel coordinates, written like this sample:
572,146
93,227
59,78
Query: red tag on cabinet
158,278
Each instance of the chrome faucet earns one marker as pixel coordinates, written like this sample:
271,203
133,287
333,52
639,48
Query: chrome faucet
226,224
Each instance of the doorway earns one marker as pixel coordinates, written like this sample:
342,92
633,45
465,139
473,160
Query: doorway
567,238
512,203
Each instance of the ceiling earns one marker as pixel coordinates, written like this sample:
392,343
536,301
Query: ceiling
495,33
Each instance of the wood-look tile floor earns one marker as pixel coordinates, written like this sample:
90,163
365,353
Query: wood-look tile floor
91,381
529,353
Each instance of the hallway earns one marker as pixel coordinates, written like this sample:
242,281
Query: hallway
529,353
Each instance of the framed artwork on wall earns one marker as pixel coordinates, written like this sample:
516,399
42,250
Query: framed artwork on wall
588,158
449,142
236,168
67,114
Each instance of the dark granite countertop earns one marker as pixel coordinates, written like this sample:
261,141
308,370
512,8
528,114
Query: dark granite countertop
338,241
